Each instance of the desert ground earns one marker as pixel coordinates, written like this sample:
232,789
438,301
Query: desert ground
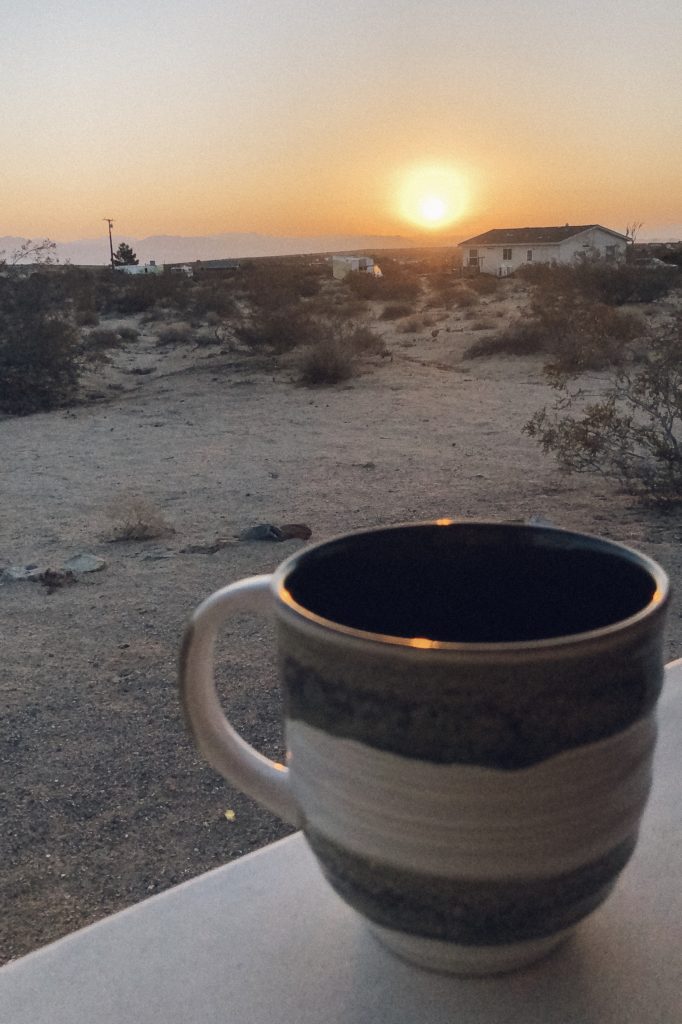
105,800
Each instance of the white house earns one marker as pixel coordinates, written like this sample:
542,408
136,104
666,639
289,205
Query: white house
342,265
503,250
145,268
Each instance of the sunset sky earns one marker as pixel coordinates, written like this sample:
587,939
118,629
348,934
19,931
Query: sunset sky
305,117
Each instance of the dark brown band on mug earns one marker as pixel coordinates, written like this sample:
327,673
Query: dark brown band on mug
474,913
507,723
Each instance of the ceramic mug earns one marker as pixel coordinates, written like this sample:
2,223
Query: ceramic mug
469,720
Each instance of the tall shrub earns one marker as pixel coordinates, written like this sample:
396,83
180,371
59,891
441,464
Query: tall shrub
39,357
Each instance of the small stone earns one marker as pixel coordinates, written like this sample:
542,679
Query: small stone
155,556
263,531
21,572
84,562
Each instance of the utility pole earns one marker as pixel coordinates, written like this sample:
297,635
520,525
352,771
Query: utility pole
111,244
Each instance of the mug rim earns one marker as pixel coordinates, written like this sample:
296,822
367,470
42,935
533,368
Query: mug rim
656,604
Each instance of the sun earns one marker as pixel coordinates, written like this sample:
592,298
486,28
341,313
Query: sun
433,209
431,196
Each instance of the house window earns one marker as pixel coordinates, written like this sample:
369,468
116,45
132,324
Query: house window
506,254
473,257
610,252
529,256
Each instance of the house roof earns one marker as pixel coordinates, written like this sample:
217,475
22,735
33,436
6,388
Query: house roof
535,236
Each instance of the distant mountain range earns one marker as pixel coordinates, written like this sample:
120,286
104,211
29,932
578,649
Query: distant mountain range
232,245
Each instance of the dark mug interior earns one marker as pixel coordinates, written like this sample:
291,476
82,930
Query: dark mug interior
470,582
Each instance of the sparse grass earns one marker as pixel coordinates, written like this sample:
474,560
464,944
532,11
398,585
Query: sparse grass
137,519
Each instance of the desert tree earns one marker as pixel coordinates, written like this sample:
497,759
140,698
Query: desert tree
125,256
42,252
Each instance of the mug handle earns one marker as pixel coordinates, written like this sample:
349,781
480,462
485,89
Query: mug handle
224,749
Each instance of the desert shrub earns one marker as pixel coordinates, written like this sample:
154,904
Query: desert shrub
128,334
39,351
361,340
443,290
97,344
521,338
326,363
398,282
206,338
86,317
213,296
410,326
482,324
395,284
175,334
483,284
103,337
278,284
280,330
137,519
580,334
626,282
631,431
396,310
575,335
612,284
465,298
363,286
127,294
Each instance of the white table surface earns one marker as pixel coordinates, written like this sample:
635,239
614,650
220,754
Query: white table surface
264,939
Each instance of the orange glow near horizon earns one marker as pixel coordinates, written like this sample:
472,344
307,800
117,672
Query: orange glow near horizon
293,119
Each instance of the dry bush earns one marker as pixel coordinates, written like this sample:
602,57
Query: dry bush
522,338
213,297
327,363
396,310
280,330
86,318
484,284
361,340
600,281
175,334
206,338
576,336
465,298
137,519
410,326
128,334
96,345
628,428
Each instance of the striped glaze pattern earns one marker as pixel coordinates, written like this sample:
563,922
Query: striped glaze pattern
471,856
470,823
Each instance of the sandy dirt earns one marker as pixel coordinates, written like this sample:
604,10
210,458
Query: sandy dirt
105,800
